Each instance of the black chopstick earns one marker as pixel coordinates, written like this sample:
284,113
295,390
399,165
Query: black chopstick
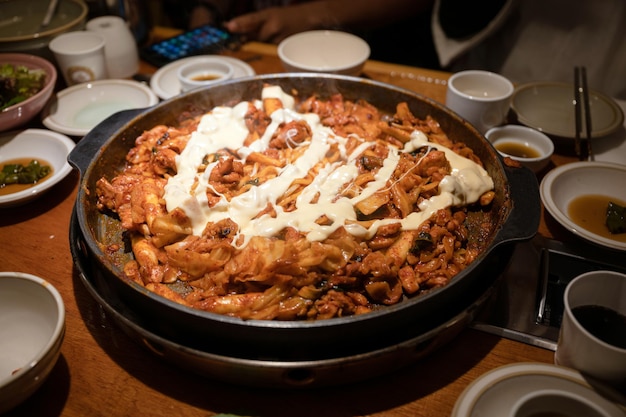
583,72
577,110
581,98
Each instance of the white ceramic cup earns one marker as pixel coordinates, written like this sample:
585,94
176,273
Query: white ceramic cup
555,402
203,72
80,56
577,347
120,50
480,97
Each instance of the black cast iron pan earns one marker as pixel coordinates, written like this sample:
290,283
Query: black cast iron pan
514,215
267,372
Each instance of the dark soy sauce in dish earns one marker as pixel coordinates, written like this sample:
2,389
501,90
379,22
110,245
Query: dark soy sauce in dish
604,323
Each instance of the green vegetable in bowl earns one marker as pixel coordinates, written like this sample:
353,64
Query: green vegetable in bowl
17,83
616,218
23,174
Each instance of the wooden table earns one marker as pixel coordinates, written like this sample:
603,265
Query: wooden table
102,372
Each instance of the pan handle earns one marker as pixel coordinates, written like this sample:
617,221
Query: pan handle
523,221
88,147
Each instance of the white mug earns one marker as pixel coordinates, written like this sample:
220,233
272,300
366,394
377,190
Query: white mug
120,50
480,97
80,56
577,346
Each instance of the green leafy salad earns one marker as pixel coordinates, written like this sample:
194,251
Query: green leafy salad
17,83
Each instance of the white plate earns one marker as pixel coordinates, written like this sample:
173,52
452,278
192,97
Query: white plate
165,83
78,109
549,107
563,184
39,144
496,392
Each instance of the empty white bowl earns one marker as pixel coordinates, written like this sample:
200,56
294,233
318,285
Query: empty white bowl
549,107
528,146
32,326
324,51
527,389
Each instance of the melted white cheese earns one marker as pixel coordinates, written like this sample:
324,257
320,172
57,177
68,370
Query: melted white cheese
225,127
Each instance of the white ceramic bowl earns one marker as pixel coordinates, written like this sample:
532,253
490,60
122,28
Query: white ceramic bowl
32,326
324,51
39,144
21,113
165,83
78,109
549,107
530,147
204,72
527,389
565,184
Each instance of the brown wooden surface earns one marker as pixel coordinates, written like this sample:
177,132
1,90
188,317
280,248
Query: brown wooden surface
101,372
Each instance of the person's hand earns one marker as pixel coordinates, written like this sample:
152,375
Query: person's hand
273,24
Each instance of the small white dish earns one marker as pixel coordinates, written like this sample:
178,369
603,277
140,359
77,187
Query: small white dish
203,72
78,109
40,144
326,51
165,82
549,107
526,145
32,327
506,389
566,183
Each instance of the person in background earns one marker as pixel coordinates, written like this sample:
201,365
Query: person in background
524,40
535,40
396,30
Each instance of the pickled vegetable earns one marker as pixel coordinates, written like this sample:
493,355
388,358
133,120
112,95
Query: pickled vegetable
616,218
23,174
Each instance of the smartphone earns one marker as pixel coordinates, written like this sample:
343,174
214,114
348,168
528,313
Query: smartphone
203,40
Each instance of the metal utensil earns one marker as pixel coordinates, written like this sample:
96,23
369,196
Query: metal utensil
52,7
11,21
581,103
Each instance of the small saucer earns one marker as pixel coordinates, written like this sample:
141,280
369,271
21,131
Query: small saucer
78,109
165,82
495,393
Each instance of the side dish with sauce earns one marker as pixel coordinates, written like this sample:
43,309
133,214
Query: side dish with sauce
602,215
20,174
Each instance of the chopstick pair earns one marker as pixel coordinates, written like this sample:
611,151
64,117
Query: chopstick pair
581,104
